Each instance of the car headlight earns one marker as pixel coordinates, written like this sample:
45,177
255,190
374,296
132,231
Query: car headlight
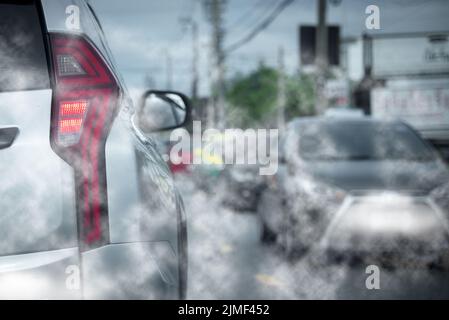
313,200
311,205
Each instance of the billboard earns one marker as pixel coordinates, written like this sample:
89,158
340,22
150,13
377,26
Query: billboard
409,54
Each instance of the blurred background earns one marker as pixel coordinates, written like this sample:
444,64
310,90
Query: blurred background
266,63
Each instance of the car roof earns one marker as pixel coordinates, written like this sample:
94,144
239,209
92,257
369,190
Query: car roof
348,120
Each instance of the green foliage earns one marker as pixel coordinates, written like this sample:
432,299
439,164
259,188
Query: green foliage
300,96
253,97
256,92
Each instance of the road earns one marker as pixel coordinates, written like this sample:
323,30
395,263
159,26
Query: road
228,261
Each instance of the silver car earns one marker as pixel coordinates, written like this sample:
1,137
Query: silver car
88,208
358,189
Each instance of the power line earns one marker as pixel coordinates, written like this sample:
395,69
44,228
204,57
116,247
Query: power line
247,17
261,26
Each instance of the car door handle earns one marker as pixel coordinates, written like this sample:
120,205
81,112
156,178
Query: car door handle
7,136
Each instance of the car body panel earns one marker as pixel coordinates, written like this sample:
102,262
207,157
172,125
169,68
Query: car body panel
37,207
39,275
136,270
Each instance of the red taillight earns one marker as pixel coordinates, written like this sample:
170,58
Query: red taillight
70,108
70,121
85,102
70,126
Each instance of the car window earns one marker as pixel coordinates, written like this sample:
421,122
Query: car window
23,63
342,140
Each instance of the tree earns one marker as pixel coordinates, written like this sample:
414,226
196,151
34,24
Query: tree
254,95
300,96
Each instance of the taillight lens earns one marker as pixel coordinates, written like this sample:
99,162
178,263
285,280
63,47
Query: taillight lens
85,103
71,116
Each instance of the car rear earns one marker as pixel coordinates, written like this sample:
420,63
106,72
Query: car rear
65,220
38,232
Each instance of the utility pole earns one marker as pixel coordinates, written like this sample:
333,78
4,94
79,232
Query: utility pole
148,81
168,70
281,98
210,114
321,59
195,51
215,10
193,25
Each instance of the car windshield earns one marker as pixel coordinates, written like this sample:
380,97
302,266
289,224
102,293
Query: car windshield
361,140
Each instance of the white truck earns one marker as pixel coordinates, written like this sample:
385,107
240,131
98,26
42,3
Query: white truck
413,70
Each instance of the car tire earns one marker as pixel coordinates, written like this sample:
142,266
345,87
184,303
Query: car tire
267,236
441,262
267,203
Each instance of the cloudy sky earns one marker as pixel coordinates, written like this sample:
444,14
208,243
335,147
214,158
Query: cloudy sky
142,33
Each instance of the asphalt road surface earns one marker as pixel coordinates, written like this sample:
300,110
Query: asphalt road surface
228,261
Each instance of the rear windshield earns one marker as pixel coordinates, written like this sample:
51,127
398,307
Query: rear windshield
341,140
23,64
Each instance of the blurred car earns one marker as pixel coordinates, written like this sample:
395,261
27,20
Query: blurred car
207,173
344,112
88,207
242,185
357,189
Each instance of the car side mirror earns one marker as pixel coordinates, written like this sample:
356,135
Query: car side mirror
163,110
